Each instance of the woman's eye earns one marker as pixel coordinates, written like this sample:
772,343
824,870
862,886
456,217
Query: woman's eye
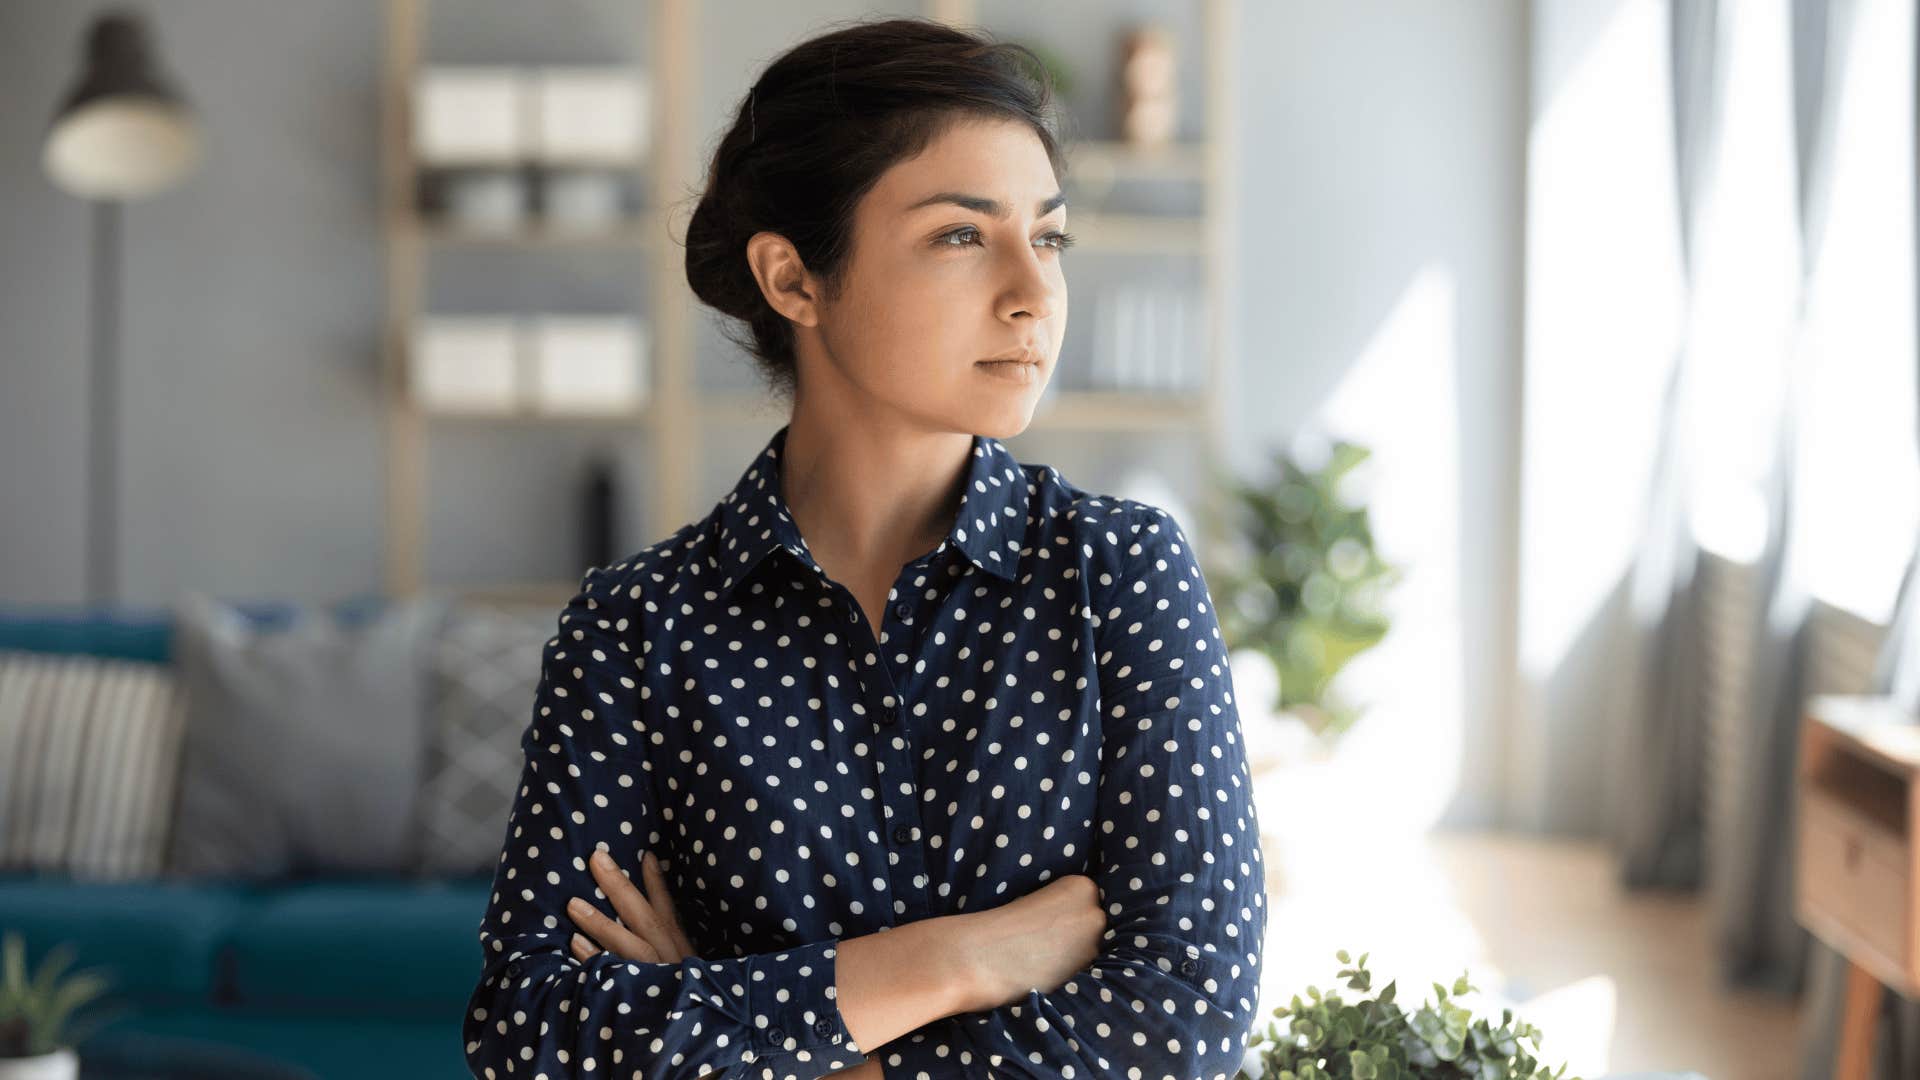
1059,241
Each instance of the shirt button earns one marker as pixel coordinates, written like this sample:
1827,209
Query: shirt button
887,717
902,833
776,1035
823,1027
903,609
513,970
1188,966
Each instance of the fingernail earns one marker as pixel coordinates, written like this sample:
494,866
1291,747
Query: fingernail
599,858
577,906
582,943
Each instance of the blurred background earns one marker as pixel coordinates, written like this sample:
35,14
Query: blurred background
1538,380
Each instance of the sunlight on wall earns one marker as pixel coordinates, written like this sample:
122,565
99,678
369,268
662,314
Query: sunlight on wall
1401,399
1603,280
1856,505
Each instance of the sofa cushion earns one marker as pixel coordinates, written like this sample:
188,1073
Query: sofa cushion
485,672
393,946
155,941
304,744
89,754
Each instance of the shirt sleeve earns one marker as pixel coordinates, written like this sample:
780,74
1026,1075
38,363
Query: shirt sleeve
1177,851
538,1011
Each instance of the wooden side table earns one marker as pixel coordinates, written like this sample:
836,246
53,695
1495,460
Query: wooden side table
1855,889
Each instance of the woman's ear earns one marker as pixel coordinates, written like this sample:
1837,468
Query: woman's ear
783,277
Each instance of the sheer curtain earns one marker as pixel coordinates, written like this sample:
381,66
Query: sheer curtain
1788,446
1658,837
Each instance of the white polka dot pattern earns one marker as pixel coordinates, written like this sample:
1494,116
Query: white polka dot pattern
1047,694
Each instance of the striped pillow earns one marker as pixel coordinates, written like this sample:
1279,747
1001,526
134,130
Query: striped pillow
89,761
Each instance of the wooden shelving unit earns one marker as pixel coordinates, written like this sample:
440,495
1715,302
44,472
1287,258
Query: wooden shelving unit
677,411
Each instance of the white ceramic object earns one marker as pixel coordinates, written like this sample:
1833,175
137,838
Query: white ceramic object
590,114
587,364
470,115
466,364
61,1064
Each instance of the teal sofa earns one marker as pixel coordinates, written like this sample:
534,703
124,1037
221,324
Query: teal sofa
335,977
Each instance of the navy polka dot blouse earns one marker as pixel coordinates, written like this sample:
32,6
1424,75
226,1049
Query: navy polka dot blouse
1048,695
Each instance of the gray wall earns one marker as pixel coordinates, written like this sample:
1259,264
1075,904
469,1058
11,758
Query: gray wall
1376,137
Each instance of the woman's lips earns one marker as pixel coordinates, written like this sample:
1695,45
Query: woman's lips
1020,371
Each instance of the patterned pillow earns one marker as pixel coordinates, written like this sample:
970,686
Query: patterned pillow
484,674
89,764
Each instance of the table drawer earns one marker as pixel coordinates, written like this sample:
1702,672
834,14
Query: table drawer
1854,870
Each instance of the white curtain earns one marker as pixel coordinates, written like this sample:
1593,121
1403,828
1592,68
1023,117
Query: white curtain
1787,438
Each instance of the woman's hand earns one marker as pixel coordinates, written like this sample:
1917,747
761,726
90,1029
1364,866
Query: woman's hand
1036,942
646,930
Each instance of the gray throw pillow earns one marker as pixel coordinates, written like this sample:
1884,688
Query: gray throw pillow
484,676
304,743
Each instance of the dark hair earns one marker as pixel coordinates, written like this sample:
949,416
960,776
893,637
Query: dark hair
813,136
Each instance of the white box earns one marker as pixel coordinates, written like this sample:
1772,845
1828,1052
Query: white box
587,364
466,364
589,114
470,115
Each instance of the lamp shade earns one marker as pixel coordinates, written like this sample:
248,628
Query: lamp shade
123,131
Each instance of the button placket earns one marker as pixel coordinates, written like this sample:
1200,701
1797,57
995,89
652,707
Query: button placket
912,886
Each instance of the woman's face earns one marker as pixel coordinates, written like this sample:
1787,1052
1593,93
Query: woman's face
955,258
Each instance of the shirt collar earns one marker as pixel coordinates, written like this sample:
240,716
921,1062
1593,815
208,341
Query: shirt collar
752,520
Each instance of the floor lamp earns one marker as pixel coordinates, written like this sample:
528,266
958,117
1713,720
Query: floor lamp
123,132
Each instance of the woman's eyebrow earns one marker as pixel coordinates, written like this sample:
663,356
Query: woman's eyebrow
993,207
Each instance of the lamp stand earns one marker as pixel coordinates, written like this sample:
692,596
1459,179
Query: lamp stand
103,426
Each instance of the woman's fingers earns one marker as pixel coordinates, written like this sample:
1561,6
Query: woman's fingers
603,931
663,901
634,909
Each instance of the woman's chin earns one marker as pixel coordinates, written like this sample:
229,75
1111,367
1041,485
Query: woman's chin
1003,419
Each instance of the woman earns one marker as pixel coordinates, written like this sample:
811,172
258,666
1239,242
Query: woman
908,759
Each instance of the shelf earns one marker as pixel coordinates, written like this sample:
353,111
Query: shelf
540,593
1120,410
1101,232
634,233
1138,233
1065,410
641,415
610,162
1102,159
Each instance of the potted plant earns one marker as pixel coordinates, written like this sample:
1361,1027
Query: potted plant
1304,589
1329,1038
36,1040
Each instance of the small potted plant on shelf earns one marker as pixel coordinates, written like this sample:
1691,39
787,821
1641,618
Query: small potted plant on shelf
1330,1038
1303,593
37,1042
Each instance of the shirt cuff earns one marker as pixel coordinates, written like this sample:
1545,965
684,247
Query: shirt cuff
792,1001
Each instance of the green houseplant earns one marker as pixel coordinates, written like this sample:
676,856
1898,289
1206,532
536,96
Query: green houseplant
37,1035
1330,1038
1305,587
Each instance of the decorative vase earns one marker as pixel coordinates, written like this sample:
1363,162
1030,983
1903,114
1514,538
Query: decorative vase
61,1064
